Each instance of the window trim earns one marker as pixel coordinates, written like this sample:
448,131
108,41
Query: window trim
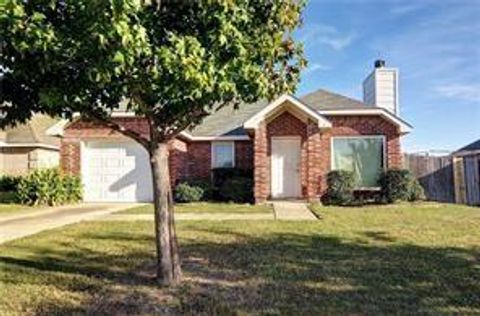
212,152
384,162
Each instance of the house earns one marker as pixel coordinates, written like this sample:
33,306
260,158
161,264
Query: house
466,174
28,146
291,144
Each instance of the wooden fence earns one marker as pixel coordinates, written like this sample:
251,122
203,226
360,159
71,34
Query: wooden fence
435,174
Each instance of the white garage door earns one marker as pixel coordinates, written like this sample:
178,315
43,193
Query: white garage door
116,172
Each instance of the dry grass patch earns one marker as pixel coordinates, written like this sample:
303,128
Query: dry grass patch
350,262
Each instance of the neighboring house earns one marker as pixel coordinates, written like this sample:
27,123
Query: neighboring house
291,144
466,170
28,146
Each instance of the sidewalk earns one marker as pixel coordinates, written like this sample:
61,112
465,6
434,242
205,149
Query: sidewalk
292,211
13,227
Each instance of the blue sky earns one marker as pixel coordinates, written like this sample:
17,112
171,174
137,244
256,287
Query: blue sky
434,44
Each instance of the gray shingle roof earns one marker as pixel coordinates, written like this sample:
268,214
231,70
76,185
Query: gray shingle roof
32,132
229,122
470,147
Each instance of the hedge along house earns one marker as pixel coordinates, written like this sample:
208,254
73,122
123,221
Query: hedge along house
290,144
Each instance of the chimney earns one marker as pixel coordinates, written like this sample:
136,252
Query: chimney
380,88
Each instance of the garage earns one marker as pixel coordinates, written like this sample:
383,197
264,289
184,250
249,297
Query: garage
116,171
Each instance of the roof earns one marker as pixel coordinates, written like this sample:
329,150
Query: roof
287,101
33,132
229,122
326,100
471,148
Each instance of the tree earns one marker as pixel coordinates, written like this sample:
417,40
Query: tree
173,62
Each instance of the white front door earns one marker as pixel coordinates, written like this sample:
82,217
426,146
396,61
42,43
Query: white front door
116,171
285,171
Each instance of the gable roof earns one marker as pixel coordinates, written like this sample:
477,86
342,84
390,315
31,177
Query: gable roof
32,133
282,102
325,100
471,148
229,122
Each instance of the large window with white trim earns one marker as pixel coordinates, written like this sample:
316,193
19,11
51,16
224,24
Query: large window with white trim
363,155
223,154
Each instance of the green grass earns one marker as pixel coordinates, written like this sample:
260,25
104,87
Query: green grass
409,259
11,208
205,207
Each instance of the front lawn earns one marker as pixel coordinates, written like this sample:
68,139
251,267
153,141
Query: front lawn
383,260
10,208
205,207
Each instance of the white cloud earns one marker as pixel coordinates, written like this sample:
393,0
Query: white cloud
338,43
405,8
467,92
327,35
313,67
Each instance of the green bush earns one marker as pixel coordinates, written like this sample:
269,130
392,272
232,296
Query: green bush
237,189
206,185
9,183
7,197
185,192
340,187
400,185
220,175
49,187
416,192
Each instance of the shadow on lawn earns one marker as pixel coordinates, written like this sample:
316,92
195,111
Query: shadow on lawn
272,274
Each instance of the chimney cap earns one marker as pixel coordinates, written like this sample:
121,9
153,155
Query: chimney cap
379,63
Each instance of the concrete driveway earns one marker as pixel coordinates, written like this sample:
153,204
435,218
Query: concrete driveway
17,226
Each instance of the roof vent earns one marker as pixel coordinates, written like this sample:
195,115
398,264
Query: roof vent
379,63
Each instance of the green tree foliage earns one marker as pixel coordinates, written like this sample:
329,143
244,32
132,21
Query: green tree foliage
172,62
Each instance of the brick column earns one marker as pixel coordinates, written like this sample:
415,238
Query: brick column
313,161
70,156
394,152
260,163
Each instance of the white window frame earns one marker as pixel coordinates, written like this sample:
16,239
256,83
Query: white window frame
212,152
384,162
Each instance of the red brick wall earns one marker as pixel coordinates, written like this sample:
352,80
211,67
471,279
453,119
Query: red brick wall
244,154
178,160
83,130
193,160
316,151
199,159
288,125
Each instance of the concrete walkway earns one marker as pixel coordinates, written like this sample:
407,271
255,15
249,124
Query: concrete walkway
13,227
192,216
292,211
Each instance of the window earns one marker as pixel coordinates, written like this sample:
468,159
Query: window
362,155
223,155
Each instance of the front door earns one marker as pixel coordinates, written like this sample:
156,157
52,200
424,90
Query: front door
285,167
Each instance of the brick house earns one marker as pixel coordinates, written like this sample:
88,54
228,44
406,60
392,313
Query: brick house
290,144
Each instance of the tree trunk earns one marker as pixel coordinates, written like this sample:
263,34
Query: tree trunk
168,262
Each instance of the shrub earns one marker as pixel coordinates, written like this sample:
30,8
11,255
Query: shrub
237,189
220,175
73,188
340,186
49,187
416,192
400,185
8,197
206,185
9,183
184,193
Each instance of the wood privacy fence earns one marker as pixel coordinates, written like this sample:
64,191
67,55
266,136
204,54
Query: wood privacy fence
447,178
435,174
